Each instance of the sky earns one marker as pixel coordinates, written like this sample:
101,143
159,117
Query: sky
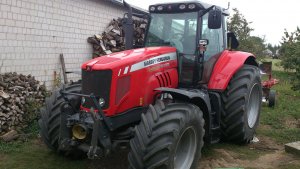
269,17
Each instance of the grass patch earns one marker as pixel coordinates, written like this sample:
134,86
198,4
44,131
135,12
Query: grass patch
282,136
34,154
11,147
32,129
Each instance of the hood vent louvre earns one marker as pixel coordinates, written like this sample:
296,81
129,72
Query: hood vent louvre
164,79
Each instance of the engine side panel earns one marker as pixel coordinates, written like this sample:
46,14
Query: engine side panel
227,65
144,79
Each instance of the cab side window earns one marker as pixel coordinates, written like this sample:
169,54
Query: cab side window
215,38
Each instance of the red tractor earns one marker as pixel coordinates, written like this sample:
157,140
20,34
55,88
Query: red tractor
184,88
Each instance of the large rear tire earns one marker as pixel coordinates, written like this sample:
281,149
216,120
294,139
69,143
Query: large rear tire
241,105
168,137
50,119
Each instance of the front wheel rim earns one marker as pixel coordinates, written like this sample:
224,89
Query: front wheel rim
253,105
185,149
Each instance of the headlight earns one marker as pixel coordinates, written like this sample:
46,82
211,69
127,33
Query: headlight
152,8
182,6
101,102
160,8
192,6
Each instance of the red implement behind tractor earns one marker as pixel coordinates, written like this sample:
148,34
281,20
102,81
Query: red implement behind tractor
269,95
184,88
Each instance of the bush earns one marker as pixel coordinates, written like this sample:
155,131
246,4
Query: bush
290,52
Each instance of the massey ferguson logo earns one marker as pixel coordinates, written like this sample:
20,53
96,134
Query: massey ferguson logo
156,60
153,61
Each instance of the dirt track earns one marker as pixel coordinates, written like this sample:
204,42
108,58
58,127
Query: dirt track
272,156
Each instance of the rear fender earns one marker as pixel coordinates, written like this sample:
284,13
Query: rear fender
226,66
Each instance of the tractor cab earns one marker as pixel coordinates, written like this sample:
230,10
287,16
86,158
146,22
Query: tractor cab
189,26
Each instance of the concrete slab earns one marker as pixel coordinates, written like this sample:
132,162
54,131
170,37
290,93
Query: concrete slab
293,148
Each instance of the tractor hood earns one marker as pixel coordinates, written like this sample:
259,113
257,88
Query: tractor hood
125,58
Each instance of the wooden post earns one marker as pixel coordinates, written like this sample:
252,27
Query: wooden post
63,66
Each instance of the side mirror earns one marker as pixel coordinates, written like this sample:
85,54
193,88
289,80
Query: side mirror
232,41
214,19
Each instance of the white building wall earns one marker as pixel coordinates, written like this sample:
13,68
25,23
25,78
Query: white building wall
34,32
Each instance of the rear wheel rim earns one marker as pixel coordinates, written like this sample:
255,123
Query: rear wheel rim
253,105
185,149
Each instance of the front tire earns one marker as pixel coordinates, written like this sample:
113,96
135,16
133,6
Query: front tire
50,121
241,105
168,137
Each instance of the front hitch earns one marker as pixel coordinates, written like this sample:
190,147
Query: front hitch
98,132
101,127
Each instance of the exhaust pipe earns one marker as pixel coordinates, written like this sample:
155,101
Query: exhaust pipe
128,27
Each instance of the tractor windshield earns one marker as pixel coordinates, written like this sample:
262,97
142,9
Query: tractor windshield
175,29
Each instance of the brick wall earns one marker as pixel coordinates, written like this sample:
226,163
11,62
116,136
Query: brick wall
34,32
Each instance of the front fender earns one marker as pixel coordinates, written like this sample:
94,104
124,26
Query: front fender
226,66
197,97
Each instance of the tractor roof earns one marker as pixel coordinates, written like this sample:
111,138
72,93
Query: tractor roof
200,4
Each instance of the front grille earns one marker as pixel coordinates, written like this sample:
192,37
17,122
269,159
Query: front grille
97,82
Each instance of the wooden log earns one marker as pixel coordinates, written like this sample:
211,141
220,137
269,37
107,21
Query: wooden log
112,39
4,95
9,136
15,95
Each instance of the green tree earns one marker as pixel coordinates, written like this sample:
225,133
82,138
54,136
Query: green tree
290,52
238,24
255,45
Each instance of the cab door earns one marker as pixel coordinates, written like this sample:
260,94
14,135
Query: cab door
217,44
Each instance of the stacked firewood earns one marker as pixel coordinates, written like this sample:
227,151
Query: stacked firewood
113,38
17,92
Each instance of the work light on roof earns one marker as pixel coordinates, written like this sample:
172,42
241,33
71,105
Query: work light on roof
160,8
192,6
152,8
182,6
